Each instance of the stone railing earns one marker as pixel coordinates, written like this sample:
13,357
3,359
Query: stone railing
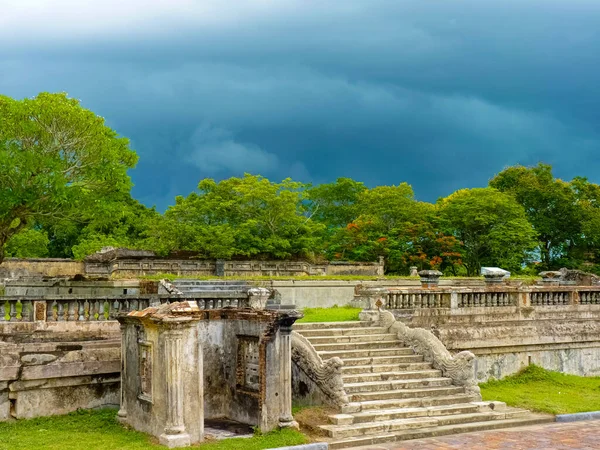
97,309
459,367
494,296
323,376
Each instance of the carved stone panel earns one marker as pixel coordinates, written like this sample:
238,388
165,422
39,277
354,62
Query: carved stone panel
248,372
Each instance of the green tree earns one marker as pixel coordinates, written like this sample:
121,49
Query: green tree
57,161
335,204
29,243
551,207
248,216
491,226
387,215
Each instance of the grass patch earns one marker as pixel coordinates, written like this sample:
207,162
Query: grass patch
526,279
334,314
99,430
542,390
172,277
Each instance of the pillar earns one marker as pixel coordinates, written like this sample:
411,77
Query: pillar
122,414
286,419
175,434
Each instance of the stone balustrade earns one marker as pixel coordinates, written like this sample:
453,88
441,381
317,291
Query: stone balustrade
492,296
98,309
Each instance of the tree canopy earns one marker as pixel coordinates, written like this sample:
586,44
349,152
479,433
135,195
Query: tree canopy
491,227
65,192
58,161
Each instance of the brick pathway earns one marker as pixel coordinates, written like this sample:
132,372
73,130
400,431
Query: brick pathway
584,435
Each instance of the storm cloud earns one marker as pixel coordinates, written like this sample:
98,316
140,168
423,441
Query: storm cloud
440,94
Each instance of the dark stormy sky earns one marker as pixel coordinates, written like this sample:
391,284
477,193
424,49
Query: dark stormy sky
441,94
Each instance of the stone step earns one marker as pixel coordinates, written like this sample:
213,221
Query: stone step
362,357
377,415
386,426
405,393
373,386
388,344
385,345
367,353
327,325
394,403
378,368
358,339
420,433
396,375
308,333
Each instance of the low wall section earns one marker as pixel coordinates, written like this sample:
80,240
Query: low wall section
507,328
12,268
63,353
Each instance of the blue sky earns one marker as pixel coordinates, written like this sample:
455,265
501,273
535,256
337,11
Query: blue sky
440,94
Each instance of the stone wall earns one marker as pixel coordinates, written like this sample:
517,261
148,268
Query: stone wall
58,287
507,328
48,369
12,268
194,268
327,293
63,353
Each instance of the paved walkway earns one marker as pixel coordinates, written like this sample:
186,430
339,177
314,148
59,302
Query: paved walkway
584,435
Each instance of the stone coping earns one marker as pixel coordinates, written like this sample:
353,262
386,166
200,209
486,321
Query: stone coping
315,446
592,415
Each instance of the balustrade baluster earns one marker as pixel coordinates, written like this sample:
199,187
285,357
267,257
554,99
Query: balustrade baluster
86,310
71,313
2,310
80,310
12,314
102,310
50,310
112,310
60,314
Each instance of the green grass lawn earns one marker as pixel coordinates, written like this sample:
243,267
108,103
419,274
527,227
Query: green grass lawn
542,390
99,430
335,314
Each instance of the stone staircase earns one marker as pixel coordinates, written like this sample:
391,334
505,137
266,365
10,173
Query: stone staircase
394,394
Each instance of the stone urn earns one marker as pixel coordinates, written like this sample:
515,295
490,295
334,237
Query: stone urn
551,277
430,278
258,297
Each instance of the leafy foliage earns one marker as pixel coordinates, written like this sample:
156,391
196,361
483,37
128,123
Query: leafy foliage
57,161
65,192
491,226
29,243
249,216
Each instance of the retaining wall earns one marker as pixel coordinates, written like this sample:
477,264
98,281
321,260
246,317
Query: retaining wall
557,328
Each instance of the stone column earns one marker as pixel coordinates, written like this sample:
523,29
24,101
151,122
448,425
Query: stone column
122,414
175,434
286,420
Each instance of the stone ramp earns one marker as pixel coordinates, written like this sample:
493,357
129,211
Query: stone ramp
394,394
